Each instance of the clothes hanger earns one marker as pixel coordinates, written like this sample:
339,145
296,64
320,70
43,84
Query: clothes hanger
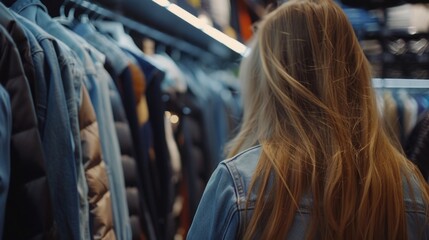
67,19
84,16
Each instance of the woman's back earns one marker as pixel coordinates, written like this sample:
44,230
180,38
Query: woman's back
230,185
309,104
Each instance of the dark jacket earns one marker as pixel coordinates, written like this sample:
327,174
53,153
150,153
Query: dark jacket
5,132
140,225
417,147
36,11
89,166
28,191
122,72
59,138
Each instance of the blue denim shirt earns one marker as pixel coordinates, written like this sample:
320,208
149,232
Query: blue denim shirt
222,208
40,94
5,134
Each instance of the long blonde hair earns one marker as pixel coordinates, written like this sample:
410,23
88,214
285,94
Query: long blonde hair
309,102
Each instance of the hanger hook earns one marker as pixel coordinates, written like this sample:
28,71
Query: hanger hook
63,8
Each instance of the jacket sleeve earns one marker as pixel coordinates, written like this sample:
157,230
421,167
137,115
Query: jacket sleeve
217,216
5,132
28,185
95,172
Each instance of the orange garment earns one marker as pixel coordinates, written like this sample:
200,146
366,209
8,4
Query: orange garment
244,20
139,87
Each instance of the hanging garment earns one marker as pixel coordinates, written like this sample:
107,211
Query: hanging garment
173,83
139,219
100,100
101,219
417,147
41,73
244,21
5,132
207,92
155,129
191,155
28,189
100,96
391,117
199,128
176,164
219,11
117,64
234,21
410,113
72,75
230,95
174,80
60,121
155,146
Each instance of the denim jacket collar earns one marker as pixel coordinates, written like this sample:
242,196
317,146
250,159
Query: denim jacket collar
20,5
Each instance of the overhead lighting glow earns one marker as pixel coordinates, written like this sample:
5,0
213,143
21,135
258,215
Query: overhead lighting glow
162,3
185,15
225,39
199,24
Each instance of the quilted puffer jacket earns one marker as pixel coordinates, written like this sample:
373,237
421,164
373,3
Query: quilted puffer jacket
101,219
132,180
28,189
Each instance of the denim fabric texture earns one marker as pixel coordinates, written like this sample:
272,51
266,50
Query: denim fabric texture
28,181
5,134
40,92
61,163
98,90
116,60
222,210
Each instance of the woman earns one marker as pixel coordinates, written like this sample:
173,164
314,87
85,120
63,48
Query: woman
312,159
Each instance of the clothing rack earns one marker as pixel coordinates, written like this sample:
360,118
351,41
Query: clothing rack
134,16
400,83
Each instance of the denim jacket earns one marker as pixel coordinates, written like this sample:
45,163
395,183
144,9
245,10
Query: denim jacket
61,168
35,10
222,208
27,170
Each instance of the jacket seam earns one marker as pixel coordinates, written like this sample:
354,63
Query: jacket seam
232,211
240,154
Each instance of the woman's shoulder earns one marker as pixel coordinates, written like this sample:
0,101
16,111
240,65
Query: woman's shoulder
416,208
413,195
242,168
244,162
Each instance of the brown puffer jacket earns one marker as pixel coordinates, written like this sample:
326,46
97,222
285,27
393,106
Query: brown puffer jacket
100,206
